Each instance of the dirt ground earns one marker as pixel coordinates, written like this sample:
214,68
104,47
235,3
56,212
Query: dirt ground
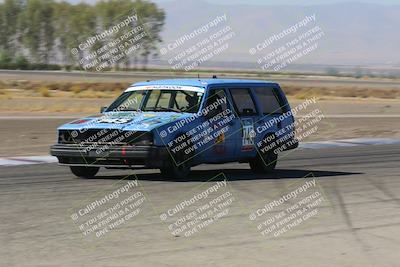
24,133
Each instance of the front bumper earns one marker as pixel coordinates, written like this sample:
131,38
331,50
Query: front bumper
110,156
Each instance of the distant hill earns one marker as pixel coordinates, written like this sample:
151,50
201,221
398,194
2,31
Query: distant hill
355,33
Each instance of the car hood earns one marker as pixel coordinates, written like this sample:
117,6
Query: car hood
128,121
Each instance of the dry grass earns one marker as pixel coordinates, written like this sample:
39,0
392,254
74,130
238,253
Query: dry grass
93,94
5,95
44,91
76,89
63,86
82,90
349,92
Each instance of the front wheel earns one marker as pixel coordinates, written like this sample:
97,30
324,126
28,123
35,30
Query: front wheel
176,172
84,172
180,163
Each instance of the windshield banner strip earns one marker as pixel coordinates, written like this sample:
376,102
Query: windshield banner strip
165,87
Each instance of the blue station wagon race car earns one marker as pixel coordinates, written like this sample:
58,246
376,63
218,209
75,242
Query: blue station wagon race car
173,125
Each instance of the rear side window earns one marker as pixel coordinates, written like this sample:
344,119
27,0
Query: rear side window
243,102
268,100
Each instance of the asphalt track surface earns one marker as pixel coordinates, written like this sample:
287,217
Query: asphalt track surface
360,226
129,77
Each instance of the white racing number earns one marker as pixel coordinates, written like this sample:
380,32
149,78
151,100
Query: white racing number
114,120
248,135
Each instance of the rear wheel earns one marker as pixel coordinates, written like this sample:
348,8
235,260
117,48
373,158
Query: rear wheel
264,162
84,172
266,159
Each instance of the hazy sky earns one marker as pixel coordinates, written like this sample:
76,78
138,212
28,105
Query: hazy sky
294,2
269,2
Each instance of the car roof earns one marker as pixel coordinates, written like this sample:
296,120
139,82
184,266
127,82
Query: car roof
203,82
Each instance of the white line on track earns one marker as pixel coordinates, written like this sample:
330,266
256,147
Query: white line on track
38,117
29,160
349,143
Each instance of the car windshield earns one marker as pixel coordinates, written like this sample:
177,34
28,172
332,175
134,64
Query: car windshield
158,100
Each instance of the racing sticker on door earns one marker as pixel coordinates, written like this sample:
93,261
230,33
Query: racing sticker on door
219,146
247,134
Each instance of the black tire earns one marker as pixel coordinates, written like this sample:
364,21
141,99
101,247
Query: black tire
264,163
178,167
84,172
176,171
265,160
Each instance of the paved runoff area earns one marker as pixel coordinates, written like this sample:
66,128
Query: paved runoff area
336,205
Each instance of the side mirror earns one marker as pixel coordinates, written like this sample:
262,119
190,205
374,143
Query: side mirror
103,109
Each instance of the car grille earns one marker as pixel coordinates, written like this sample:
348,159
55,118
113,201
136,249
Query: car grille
100,136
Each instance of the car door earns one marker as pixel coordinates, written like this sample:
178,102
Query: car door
223,126
248,114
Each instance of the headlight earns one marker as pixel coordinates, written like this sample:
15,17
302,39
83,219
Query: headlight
64,137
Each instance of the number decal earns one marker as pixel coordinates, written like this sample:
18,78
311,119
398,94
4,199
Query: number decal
114,120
